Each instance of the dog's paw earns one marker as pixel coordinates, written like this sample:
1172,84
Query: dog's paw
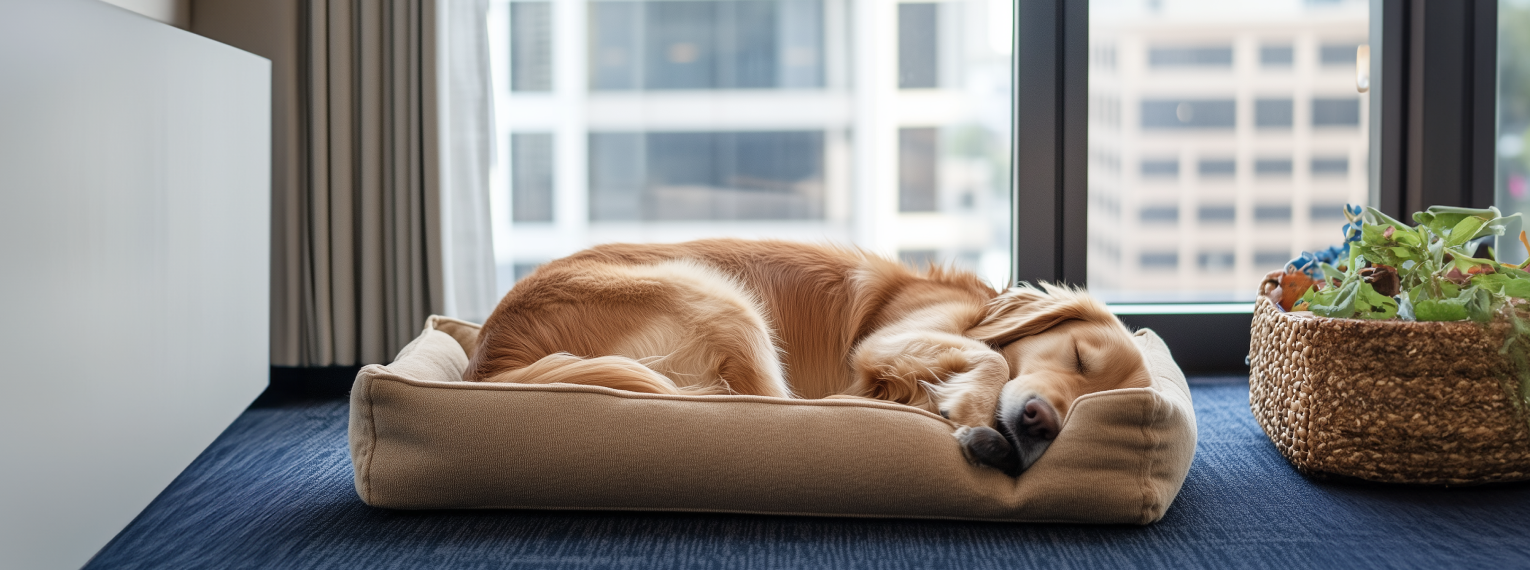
986,446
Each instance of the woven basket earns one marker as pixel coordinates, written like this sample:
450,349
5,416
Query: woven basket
1389,401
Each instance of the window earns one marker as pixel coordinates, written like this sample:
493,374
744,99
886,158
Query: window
1162,168
706,176
1219,261
1220,167
1330,212
918,54
705,44
1160,215
531,49
1212,56
1336,166
1188,113
1159,260
1270,136
1275,56
1272,214
1218,214
693,119
1341,112
1273,259
1336,54
1512,163
916,169
1273,113
1272,167
531,175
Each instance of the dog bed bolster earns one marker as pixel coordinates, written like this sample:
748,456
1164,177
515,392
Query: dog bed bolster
421,438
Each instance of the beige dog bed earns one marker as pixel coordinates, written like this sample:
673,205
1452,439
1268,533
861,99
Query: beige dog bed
423,439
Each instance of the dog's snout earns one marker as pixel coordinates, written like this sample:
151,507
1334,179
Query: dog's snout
1038,420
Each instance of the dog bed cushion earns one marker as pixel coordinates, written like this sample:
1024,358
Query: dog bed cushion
421,438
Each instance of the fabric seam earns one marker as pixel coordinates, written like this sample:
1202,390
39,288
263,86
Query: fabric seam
372,440
1144,480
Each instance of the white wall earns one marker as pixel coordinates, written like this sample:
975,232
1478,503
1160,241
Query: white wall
174,12
134,263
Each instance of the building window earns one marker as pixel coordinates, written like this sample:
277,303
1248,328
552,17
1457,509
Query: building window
917,161
531,46
919,258
1163,168
1216,261
1272,213
1160,215
1188,113
1337,54
706,176
1272,167
706,44
1202,56
1158,260
1272,113
1337,166
918,51
1218,167
1343,112
521,270
531,177
1324,212
1217,214
1270,258
1275,56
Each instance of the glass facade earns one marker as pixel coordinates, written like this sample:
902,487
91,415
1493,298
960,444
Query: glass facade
1224,138
1513,161
880,124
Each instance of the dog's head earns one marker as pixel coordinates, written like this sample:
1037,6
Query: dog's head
1060,344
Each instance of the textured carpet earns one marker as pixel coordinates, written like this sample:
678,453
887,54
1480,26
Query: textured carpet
274,491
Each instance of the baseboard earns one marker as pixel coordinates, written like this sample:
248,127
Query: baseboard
295,384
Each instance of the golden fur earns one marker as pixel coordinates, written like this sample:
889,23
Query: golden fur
787,319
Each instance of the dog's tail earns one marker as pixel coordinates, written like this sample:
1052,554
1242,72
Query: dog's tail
617,372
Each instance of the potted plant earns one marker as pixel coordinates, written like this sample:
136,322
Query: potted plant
1398,355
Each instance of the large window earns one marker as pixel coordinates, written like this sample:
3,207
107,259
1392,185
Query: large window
1240,136
1513,158
881,124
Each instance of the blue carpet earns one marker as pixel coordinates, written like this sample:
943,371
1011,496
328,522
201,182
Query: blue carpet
274,491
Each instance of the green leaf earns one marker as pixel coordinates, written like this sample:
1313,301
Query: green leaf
1337,302
1503,284
1372,305
1472,303
1479,304
1374,216
1464,231
1436,310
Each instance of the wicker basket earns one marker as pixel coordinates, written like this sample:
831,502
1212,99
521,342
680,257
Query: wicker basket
1390,401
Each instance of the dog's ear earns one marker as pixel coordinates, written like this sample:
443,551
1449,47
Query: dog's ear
1025,310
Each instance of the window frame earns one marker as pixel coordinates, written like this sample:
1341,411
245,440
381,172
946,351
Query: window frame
1432,133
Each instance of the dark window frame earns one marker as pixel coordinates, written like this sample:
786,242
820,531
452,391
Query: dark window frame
1436,108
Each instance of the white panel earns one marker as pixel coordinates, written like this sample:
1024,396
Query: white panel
134,242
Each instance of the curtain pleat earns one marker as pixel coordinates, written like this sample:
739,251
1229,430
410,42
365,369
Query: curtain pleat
358,257
373,266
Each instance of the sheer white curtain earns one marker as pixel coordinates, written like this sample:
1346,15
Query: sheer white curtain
467,150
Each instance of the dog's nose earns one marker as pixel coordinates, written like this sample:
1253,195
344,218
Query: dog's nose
1038,419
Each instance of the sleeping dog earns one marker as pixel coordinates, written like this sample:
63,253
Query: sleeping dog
793,320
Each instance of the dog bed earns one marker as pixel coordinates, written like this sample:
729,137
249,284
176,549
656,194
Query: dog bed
421,438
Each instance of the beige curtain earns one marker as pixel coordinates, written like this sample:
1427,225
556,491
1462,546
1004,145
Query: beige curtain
357,247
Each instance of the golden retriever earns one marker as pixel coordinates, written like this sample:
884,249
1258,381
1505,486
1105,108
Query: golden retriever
793,320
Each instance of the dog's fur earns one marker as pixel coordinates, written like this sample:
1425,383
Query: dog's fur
785,319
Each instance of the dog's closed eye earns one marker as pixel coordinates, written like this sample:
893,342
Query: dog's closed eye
1078,359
